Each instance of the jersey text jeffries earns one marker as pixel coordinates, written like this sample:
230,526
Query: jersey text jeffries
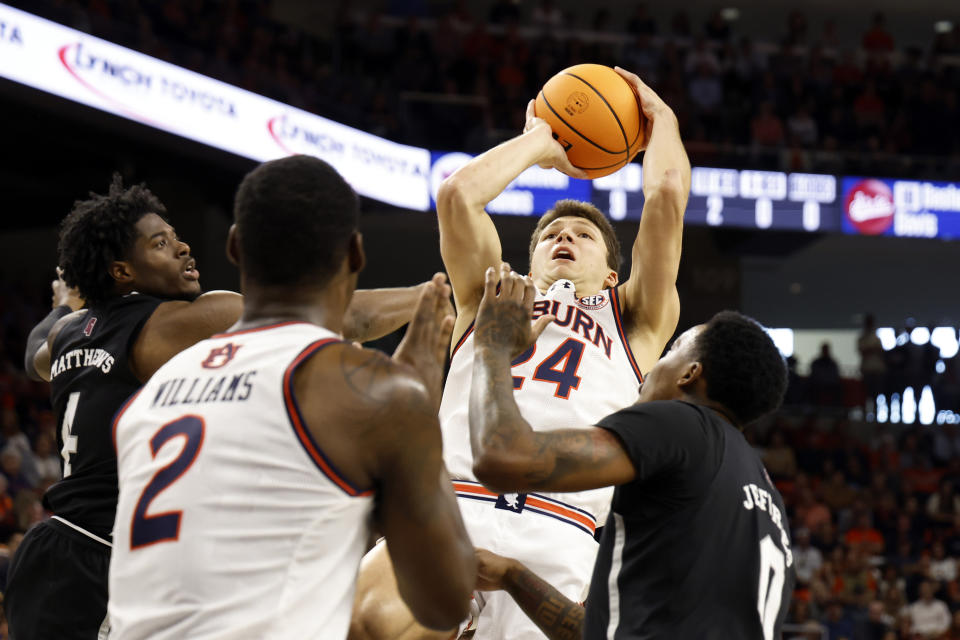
761,499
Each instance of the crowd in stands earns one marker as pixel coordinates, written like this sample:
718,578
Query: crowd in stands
457,80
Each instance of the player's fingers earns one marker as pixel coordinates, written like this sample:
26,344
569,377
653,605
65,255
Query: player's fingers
489,286
529,292
423,316
443,338
506,282
540,324
564,165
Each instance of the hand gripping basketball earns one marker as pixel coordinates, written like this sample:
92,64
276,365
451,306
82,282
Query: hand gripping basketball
555,157
594,114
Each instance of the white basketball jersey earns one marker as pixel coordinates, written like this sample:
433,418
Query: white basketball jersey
231,522
580,370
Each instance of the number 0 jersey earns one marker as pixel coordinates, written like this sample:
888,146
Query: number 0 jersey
697,545
231,522
580,370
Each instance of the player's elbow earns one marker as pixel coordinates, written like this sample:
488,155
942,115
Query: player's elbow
452,196
448,606
668,193
498,474
446,612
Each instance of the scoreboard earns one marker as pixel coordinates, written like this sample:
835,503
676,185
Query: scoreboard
735,198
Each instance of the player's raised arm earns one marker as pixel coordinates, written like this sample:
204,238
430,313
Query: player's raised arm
373,313
650,297
468,239
508,454
65,301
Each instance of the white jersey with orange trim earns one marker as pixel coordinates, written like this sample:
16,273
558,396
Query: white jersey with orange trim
580,370
231,522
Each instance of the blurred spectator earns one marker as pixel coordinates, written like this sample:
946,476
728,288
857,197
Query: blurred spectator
778,458
824,379
806,557
547,14
856,584
47,462
11,465
802,127
878,39
767,128
929,617
943,568
809,512
863,536
877,623
837,622
872,365
641,22
943,506
717,28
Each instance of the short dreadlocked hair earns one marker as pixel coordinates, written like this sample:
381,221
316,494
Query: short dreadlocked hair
742,367
99,231
589,212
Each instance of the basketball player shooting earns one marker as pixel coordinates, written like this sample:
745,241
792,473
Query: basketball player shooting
585,365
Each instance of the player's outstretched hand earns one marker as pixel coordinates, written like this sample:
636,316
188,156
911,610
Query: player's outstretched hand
503,319
491,570
64,294
554,155
427,341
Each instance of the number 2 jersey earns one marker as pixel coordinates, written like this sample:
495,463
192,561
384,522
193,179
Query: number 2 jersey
580,370
231,522
697,545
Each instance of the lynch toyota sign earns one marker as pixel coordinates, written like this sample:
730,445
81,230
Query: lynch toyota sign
103,75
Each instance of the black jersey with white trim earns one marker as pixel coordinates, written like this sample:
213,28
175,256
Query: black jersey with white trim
90,380
697,546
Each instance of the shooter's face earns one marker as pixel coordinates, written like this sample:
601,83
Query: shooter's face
572,248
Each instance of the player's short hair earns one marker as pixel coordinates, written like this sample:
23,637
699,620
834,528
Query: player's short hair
295,216
101,230
581,210
742,367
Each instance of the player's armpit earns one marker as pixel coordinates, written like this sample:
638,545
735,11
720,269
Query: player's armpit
418,513
649,295
176,325
563,460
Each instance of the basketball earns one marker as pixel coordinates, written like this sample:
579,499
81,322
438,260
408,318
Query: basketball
595,115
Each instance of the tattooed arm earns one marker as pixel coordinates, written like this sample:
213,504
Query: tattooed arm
557,616
508,454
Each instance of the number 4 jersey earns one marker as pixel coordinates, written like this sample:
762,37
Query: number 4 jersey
231,522
580,370
90,380
697,545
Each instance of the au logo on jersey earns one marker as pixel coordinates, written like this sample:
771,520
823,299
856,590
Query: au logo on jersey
220,356
511,501
592,303
88,328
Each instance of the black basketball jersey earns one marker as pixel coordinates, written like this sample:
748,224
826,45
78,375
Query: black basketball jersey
697,546
90,381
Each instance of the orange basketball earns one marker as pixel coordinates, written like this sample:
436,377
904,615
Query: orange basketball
594,114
